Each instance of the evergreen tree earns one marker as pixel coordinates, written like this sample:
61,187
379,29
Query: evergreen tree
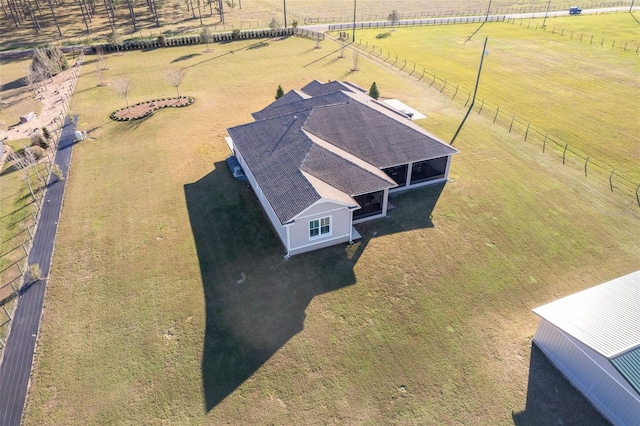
374,92
279,92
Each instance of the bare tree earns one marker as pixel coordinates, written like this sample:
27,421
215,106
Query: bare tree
221,11
19,162
102,60
394,18
55,19
274,24
99,74
175,77
205,36
115,38
356,56
123,87
111,15
133,15
199,11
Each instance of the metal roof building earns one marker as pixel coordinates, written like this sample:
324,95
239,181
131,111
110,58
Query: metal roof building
593,338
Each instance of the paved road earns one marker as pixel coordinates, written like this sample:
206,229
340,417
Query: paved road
15,370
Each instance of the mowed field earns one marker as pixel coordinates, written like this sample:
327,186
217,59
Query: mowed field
581,94
178,17
169,300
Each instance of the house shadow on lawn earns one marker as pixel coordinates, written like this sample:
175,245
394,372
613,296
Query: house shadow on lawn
256,299
552,400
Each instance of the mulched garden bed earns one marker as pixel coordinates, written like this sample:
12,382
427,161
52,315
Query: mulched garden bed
145,109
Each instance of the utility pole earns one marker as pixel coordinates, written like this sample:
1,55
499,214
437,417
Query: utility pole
484,53
544,22
285,13
488,10
353,37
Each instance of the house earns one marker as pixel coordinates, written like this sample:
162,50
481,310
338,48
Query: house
325,157
593,338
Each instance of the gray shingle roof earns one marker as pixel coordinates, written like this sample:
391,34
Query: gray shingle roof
330,136
374,136
316,88
275,109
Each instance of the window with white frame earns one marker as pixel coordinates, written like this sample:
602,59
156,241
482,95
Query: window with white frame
320,227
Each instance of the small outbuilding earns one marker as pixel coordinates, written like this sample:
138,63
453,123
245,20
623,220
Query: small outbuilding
28,117
593,338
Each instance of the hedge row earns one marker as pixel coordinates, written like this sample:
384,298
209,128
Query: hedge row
162,41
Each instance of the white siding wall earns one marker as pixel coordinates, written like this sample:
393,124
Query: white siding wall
340,228
591,373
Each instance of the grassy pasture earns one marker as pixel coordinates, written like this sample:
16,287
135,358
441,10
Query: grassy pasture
427,320
561,85
177,18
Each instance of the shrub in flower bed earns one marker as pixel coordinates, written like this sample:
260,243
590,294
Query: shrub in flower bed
145,109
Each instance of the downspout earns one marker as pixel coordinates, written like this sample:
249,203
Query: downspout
286,256
350,225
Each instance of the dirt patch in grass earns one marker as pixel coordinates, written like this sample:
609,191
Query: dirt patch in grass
144,109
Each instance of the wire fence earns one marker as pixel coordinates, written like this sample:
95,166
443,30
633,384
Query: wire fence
17,255
363,17
617,180
417,22
579,36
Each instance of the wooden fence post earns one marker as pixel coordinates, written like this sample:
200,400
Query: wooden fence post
496,116
526,133
513,117
638,196
544,142
468,97
434,79
423,71
564,153
455,93
481,106
445,85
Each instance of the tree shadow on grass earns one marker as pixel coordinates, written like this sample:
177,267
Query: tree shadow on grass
255,299
552,400
185,57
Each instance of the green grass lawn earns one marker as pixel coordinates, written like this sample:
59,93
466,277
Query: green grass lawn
426,320
560,85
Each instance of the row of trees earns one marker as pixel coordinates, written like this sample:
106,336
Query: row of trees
123,86
36,13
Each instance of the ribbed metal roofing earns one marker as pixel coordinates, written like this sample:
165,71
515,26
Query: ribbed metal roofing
606,317
628,364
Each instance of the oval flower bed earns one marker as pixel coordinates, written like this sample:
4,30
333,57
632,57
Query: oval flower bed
145,109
